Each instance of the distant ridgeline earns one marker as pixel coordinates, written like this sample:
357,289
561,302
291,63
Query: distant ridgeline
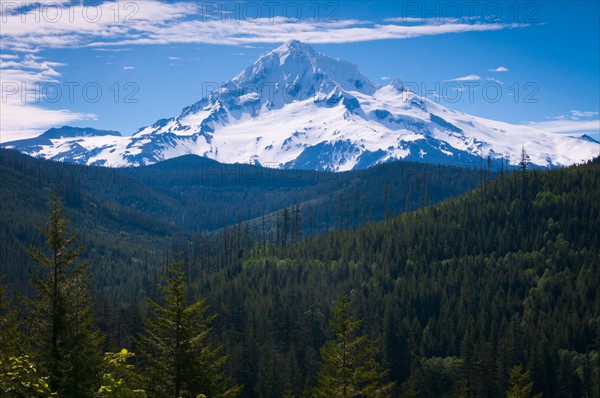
130,215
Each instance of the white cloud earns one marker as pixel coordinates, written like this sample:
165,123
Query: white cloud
278,30
468,78
386,78
21,95
571,123
493,79
116,50
20,3
128,67
30,69
156,22
498,69
406,20
428,19
567,126
174,58
575,114
22,120
77,25
11,6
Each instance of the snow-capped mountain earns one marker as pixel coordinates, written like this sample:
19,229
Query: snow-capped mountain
297,108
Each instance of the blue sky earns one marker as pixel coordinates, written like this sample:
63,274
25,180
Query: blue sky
520,62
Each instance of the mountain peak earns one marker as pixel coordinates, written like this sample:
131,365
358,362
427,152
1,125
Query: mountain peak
295,107
296,49
397,84
295,53
294,46
296,64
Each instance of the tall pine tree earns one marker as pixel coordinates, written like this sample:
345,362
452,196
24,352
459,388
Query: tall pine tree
9,336
520,383
62,335
350,361
179,359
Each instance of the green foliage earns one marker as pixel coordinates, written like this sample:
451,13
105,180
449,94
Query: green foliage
62,333
19,378
520,385
9,322
350,361
119,378
180,361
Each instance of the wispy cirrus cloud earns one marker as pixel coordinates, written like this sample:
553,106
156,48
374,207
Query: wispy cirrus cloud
22,116
567,126
157,22
56,25
278,30
468,78
114,50
405,20
435,19
21,5
575,122
21,121
575,114
493,79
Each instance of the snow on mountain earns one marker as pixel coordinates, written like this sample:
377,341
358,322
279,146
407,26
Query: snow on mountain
297,108
69,144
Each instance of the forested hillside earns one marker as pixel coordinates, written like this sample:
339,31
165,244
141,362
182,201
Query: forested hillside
127,218
482,295
458,293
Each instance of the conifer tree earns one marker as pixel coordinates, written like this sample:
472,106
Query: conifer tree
297,224
524,163
63,338
350,361
9,336
525,160
180,361
520,383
